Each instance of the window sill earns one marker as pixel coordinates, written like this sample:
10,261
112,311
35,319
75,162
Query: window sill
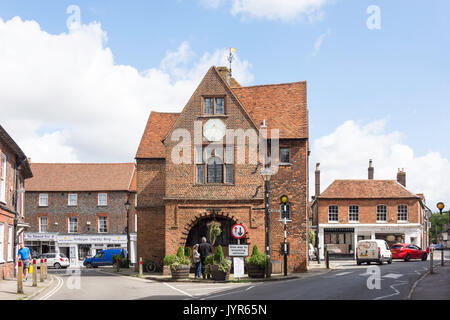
382,222
43,206
333,222
287,220
213,184
202,116
402,221
285,164
355,222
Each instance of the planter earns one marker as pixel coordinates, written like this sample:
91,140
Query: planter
256,271
217,274
181,272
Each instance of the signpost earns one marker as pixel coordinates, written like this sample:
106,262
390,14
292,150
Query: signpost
238,251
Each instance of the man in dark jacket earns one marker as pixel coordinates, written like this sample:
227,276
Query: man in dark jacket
205,249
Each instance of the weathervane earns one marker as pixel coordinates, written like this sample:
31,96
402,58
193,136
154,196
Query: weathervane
231,57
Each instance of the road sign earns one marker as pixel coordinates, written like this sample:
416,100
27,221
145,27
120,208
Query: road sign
238,231
238,250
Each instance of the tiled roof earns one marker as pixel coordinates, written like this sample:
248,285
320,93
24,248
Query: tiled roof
158,125
366,189
6,138
80,177
282,106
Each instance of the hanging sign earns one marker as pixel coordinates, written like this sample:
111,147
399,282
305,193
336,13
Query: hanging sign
238,231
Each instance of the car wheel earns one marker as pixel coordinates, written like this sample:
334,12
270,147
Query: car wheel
57,266
380,262
390,261
88,265
358,263
424,257
408,257
368,262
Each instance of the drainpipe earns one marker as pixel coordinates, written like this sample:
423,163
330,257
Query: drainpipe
16,214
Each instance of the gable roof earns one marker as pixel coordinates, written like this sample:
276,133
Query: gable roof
366,189
81,177
282,106
6,138
158,125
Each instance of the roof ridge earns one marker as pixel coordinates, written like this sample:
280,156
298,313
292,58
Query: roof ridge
270,85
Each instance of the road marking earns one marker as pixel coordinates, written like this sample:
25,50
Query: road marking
54,290
400,283
393,275
176,289
211,288
249,288
342,273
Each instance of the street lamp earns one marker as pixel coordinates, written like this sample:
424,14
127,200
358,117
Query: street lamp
441,207
267,174
127,207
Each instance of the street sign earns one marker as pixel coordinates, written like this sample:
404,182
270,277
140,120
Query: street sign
238,231
238,250
238,267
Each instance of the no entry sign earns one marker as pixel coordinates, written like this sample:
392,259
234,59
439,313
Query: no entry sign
238,231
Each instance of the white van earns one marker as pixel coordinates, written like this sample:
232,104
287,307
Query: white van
373,251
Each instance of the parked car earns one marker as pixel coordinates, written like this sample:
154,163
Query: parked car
54,260
437,246
373,251
102,258
407,251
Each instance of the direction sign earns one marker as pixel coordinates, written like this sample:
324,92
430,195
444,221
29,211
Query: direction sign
238,231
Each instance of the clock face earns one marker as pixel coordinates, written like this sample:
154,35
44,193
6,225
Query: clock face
214,130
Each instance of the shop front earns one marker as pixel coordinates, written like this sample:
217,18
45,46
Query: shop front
77,247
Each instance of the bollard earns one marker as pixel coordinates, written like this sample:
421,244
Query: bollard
41,277
327,259
442,257
140,267
34,273
431,260
45,269
20,278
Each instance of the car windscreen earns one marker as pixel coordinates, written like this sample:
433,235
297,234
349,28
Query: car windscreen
396,246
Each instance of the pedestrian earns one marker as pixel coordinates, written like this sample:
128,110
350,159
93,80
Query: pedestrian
24,255
205,249
197,261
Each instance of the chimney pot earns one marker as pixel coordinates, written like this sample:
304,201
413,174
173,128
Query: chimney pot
371,170
401,177
317,191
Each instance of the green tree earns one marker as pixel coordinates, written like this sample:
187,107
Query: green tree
438,222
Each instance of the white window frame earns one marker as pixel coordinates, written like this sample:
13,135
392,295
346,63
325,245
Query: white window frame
10,243
68,199
69,224
98,219
42,197
102,202
135,222
386,213
333,221
350,213
3,163
2,244
398,213
41,224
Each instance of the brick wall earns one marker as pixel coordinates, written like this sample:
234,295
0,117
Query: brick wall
86,210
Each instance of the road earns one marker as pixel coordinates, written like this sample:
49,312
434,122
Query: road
349,281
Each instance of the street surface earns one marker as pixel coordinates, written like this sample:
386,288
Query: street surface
349,281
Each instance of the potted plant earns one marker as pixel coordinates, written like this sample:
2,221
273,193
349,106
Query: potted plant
217,266
256,263
179,264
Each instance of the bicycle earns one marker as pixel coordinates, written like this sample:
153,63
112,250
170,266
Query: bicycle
155,265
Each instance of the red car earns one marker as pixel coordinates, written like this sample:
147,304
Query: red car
407,251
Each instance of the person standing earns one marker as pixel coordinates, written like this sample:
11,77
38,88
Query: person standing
205,249
24,255
197,262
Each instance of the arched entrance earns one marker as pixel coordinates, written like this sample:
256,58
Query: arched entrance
199,229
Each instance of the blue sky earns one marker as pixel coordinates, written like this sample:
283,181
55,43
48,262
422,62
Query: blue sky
399,74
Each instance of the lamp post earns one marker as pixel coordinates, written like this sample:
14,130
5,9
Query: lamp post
127,207
267,174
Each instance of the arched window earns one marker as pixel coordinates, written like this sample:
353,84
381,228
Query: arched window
215,170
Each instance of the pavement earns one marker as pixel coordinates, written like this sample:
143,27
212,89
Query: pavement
433,286
8,288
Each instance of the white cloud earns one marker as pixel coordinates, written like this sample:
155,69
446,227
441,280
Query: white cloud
283,10
345,154
63,98
319,41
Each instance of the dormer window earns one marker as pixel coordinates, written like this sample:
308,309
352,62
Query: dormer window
214,105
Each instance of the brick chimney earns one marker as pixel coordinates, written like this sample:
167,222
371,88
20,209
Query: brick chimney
317,193
401,177
371,170
226,74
